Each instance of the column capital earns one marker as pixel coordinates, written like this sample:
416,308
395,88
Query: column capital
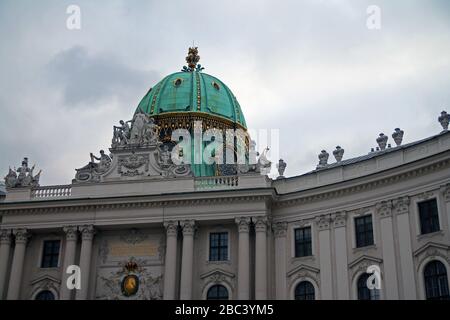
171,228
280,229
243,224
71,233
323,222
21,235
384,208
339,219
261,223
87,232
188,227
5,236
401,205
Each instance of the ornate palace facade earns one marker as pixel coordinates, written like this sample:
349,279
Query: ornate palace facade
148,221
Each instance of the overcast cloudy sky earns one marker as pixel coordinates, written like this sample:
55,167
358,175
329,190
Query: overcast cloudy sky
310,68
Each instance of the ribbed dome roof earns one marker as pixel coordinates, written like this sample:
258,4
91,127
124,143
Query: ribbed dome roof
192,92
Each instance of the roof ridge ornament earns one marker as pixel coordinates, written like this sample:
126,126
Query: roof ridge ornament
192,60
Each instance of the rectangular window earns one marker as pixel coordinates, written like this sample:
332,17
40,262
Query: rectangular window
218,246
364,231
429,217
303,245
50,254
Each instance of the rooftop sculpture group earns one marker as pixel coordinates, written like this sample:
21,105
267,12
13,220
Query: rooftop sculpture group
24,178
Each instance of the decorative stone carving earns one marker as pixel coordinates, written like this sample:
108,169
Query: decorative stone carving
260,224
263,165
87,232
243,224
21,235
93,170
338,153
5,236
71,233
445,190
398,136
384,208
323,222
444,119
280,229
133,236
339,219
382,141
425,195
133,164
171,228
281,166
121,135
323,159
188,227
401,205
25,178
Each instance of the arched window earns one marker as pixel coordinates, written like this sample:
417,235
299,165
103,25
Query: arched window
304,291
436,282
364,293
217,292
45,295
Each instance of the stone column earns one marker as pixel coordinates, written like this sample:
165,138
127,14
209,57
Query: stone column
87,235
384,211
5,246
280,231
260,258
15,279
69,259
243,258
401,210
187,260
326,279
340,247
170,262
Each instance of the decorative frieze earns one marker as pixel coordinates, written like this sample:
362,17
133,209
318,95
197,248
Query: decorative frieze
401,205
425,195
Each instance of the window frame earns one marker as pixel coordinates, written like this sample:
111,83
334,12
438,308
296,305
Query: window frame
218,231
41,254
419,217
356,233
372,293
306,294
439,280
214,286
294,235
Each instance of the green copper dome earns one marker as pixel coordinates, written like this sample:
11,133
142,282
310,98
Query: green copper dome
193,92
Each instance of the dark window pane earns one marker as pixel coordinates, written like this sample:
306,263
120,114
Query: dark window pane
50,254
364,231
217,292
218,246
436,281
428,216
45,295
364,293
304,291
303,245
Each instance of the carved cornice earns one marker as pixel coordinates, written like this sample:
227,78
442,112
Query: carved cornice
364,186
260,223
127,204
21,235
71,233
280,229
87,232
401,205
188,227
5,236
171,228
243,224
384,208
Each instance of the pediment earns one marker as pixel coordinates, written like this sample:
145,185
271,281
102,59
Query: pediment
302,267
217,272
365,259
431,246
45,278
